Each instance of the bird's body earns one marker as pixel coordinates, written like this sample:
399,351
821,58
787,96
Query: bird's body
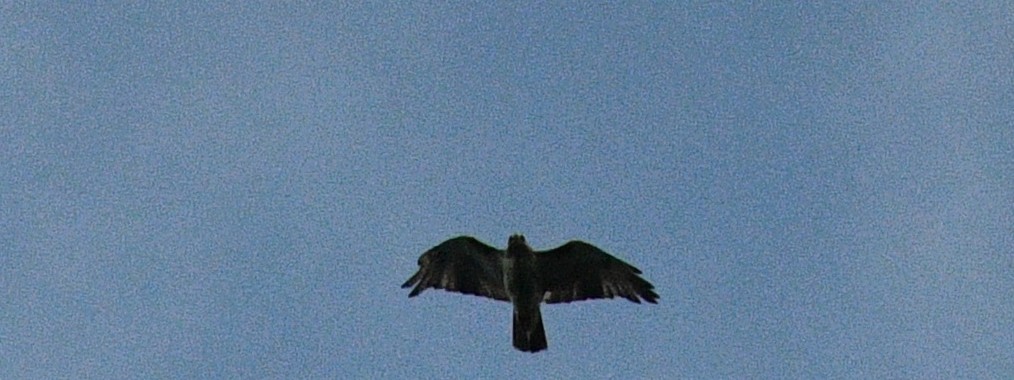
521,279
526,278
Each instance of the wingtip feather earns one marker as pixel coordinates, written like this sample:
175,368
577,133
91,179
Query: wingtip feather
415,291
411,280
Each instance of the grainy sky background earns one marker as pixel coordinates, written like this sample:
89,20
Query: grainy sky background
237,190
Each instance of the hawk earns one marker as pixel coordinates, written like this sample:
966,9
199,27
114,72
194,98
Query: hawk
526,278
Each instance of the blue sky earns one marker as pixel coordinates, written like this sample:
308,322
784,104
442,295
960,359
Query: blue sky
237,190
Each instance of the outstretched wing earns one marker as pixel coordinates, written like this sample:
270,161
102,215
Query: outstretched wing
462,264
579,271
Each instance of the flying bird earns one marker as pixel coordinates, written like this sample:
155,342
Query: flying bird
526,278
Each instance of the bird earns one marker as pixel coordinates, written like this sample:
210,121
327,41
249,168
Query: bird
526,278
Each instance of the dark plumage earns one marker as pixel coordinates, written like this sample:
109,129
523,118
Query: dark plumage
575,271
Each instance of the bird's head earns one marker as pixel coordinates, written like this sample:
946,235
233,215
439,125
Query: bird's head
516,239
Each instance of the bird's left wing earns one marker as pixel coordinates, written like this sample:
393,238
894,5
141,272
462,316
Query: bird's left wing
579,271
462,264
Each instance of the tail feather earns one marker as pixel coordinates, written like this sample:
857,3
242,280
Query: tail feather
529,334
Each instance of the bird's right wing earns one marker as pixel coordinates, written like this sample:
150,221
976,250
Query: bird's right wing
462,264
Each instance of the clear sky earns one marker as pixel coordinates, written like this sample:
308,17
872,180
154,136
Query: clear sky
238,190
